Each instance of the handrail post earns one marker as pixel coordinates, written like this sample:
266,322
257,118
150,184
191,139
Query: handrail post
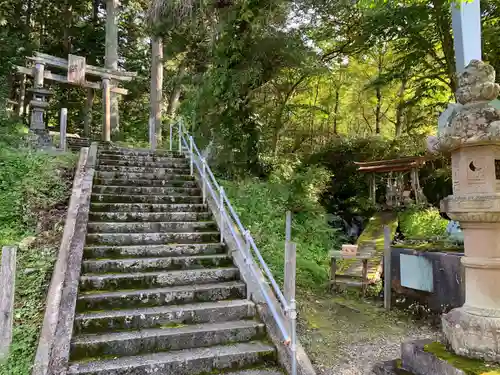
293,334
171,131
221,212
204,179
62,129
191,156
180,136
247,256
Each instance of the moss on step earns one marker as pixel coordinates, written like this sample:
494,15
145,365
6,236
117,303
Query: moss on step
430,246
468,365
172,325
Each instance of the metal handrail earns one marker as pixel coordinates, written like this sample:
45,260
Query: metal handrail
229,217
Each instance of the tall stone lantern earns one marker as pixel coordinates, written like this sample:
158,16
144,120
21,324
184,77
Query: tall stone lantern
39,134
472,134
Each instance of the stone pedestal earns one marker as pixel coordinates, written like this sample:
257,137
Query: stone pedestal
473,137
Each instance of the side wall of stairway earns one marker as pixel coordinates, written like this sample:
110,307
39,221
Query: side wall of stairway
54,344
304,366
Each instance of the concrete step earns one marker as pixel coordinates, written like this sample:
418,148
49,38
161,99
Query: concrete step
183,362
125,239
145,182
145,162
130,343
149,216
138,153
157,317
157,190
267,370
141,280
113,198
184,294
118,252
152,227
143,176
156,264
147,207
157,171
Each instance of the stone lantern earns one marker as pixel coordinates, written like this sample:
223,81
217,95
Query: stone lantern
472,134
40,136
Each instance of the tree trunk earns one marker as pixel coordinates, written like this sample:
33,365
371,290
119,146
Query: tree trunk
87,112
155,131
173,99
378,109
28,19
95,12
336,110
112,57
443,25
378,91
22,95
400,108
68,15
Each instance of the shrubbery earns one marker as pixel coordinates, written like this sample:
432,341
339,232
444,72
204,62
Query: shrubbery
262,206
34,189
420,223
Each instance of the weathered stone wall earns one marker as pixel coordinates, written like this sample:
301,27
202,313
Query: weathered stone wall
449,280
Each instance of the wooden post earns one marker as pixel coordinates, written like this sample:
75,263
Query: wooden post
156,91
387,268
87,120
7,287
290,269
106,101
111,53
62,128
373,189
333,272
288,226
22,96
364,277
39,74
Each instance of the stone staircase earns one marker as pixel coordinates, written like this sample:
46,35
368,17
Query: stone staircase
158,292
75,144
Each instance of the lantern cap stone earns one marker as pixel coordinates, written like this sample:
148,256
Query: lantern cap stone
473,119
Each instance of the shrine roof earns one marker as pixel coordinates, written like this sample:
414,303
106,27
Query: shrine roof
392,165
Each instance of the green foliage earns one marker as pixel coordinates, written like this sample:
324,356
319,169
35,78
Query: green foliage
422,223
34,189
30,184
34,268
262,206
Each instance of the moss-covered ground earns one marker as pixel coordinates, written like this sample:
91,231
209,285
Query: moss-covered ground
468,365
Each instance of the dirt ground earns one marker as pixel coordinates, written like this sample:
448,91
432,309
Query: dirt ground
347,336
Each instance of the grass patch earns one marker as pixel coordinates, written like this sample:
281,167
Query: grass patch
468,365
262,206
34,191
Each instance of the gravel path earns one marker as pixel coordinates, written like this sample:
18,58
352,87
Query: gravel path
359,358
347,337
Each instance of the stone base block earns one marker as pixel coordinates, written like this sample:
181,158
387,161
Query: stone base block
389,368
415,359
39,139
473,332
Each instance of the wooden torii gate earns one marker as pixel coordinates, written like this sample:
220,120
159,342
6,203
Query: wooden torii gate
77,73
